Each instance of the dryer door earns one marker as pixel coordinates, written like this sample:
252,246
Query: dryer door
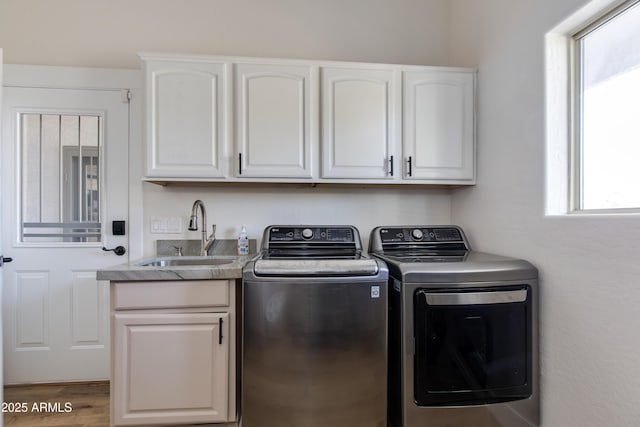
473,346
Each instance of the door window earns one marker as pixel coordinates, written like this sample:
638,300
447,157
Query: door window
60,177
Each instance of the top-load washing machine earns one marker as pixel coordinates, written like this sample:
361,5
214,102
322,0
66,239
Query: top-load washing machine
463,331
314,350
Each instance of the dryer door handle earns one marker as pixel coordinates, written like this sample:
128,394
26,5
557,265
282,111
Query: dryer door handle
475,298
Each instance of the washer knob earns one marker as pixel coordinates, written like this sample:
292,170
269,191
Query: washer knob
307,233
417,234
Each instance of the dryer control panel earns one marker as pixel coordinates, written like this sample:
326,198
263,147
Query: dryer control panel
397,238
420,234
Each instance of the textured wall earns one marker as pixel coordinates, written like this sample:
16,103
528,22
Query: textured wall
590,274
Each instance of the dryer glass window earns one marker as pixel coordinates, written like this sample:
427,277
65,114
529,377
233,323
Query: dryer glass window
472,346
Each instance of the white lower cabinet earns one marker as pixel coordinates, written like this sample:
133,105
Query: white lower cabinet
173,362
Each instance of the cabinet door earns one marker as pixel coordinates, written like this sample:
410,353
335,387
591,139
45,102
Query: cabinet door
170,368
358,122
273,121
438,125
185,123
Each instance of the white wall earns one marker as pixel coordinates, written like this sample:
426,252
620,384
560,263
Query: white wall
108,34
589,268
93,33
100,33
230,207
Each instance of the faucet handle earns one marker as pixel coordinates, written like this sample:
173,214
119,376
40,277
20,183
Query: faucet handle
178,250
213,230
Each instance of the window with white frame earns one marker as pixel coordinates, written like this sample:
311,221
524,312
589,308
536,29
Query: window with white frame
606,72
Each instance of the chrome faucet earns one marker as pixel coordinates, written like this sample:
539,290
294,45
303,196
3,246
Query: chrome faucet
205,242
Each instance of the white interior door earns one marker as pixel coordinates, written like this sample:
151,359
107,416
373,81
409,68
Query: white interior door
1,378
64,180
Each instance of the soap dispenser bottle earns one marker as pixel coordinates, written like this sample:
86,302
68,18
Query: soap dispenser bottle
243,242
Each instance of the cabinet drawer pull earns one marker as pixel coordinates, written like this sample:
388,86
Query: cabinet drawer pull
390,165
239,163
409,161
220,332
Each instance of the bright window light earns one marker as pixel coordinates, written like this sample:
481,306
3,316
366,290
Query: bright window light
607,161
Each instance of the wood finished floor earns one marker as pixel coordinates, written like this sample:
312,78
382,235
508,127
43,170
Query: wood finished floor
86,405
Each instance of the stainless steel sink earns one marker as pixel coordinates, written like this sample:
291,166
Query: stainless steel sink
193,262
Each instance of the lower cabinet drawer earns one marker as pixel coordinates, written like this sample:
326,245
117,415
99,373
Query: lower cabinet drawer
170,368
170,294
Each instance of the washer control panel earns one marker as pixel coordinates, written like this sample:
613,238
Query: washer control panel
312,234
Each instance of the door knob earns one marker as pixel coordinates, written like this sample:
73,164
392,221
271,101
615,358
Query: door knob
5,259
118,250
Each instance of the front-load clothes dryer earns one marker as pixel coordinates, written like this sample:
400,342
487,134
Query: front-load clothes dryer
463,328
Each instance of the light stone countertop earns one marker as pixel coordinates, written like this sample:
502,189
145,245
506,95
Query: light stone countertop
223,249
133,271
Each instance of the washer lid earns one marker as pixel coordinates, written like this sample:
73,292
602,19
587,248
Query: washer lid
316,267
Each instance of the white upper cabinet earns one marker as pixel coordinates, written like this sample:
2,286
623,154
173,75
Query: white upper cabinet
236,119
185,118
358,122
438,125
273,121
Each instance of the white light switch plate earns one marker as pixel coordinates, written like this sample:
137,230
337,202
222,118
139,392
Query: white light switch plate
166,225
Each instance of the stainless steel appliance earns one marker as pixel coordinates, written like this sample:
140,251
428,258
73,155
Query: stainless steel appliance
463,346
314,331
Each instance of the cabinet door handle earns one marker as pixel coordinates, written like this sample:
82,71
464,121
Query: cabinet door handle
409,161
390,165
220,332
239,163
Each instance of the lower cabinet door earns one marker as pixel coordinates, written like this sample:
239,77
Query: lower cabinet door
169,368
